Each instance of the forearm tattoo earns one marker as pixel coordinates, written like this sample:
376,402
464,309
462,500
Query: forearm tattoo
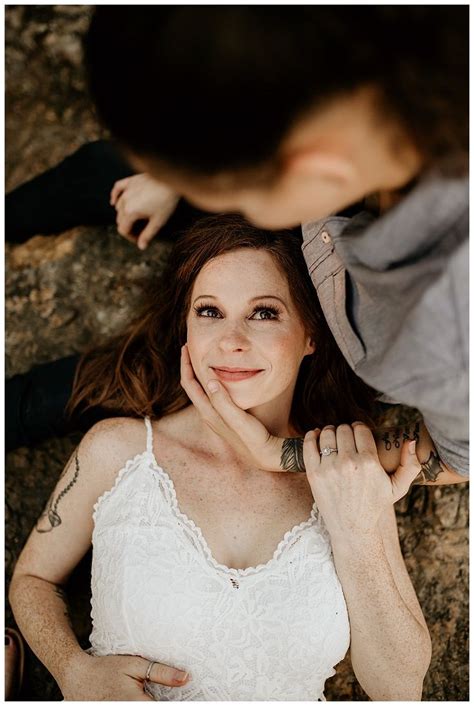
430,470
62,595
394,437
50,517
292,456
397,435
292,452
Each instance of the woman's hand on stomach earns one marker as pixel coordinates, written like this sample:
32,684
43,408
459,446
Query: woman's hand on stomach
115,678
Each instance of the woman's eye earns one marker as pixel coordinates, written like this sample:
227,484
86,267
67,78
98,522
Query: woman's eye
208,312
265,314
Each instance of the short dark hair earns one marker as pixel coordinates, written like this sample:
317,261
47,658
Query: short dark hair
214,89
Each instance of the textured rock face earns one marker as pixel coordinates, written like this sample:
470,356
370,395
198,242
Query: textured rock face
65,292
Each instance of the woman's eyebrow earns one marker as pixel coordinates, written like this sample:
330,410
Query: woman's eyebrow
268,296
253,299
204,296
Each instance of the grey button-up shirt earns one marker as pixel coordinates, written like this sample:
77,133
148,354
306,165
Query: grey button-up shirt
394,291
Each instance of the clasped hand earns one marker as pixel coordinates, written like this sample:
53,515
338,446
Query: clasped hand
350,486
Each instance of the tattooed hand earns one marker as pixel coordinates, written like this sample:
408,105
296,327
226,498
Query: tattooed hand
270,453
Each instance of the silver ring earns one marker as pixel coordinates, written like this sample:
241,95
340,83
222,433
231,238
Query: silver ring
148,671
327,451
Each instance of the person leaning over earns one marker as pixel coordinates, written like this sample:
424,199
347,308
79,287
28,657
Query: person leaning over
290,115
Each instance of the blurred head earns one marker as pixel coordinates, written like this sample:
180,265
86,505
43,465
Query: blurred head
243,300
283,113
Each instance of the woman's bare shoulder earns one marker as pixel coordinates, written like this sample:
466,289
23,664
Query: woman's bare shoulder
110,443
178,428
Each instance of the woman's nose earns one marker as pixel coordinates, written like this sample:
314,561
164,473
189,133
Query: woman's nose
234,339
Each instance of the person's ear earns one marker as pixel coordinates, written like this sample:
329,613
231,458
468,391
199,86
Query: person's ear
310,347
321,165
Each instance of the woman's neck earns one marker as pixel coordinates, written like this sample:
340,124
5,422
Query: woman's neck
274,416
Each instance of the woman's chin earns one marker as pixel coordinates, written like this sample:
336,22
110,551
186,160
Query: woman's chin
241,399
245,401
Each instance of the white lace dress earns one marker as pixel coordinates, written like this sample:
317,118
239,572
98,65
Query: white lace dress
270,632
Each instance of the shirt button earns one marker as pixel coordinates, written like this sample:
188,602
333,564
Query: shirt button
325,237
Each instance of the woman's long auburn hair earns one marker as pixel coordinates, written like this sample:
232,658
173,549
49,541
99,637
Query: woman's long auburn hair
138,373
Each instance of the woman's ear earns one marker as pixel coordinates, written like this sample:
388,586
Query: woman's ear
310,346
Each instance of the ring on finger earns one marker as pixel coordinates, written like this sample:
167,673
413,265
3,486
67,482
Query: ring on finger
148,671
327,451
327,441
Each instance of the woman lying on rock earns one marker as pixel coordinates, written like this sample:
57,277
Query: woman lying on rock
211,578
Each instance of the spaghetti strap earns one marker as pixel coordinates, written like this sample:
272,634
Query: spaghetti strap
149,435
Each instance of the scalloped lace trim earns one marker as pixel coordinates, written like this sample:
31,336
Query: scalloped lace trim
191,526
197,533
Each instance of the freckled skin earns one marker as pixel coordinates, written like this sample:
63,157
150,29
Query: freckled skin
239,281
242,511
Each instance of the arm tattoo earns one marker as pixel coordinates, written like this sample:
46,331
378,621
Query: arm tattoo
430,470
292,456
62,595
51,511
397,435
394,437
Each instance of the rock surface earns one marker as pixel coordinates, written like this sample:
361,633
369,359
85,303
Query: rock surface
64,292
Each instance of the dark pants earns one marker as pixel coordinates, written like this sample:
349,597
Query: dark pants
75,192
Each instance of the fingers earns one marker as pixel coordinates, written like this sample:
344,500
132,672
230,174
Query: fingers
349,439
406,472
169,676
138,668
195,392
364,439
328,438
148,233
117,189
125,220
244,425
345,439
156,222
311,456
235,418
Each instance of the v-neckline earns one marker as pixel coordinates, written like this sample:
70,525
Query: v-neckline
196,531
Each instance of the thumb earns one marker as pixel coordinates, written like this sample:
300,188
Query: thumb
247,427
160,673
252,435
406,472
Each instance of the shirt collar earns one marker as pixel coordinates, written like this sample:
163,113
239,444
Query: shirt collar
407,230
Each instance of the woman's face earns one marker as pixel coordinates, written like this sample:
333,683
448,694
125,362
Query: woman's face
244,329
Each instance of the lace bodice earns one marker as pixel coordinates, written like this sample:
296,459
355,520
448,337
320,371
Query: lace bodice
270,632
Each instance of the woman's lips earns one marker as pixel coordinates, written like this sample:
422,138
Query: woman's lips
235,374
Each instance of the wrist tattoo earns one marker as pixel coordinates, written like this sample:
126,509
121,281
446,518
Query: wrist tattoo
292,456
51,514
